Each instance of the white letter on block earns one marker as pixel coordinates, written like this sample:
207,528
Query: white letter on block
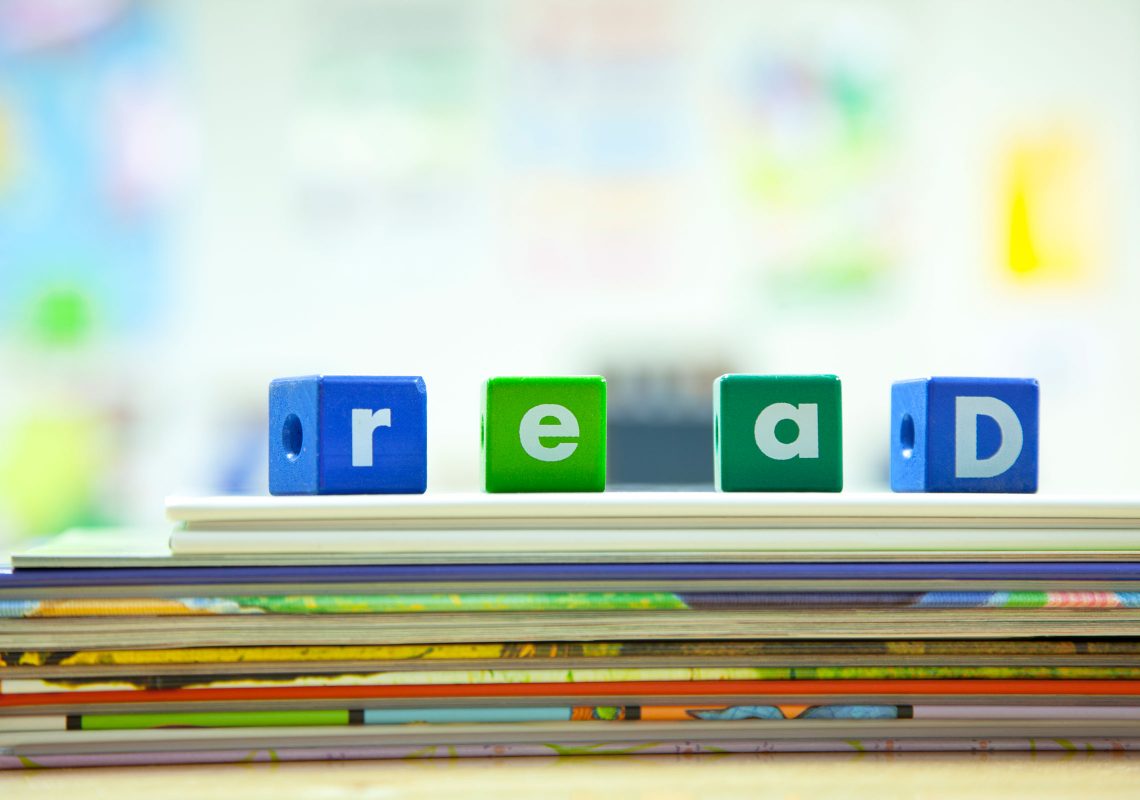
364,422
806,444
966,413
532,429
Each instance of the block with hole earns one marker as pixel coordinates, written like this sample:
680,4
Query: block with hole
964,435
777,433
544,434
347,435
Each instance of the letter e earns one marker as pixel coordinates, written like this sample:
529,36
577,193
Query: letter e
532,429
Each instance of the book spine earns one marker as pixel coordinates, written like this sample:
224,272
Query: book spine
514,749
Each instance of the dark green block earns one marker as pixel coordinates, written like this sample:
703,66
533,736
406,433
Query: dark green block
796,460
530,451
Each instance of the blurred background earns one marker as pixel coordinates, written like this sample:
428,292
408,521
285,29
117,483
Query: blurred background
196,197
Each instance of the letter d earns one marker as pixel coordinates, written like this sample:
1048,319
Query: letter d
966,413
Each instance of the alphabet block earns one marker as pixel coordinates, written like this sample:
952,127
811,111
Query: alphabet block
777,433
347,435
964,435
545,434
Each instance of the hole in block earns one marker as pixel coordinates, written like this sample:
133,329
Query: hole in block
292,436
906,436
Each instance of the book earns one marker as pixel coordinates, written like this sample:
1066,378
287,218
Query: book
694,572
82,549
508,676
1115,694
651,509
491,655
133,632
84,754
445,715
555,602
656,543
673,525
157,740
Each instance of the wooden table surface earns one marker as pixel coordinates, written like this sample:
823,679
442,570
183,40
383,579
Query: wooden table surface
789,777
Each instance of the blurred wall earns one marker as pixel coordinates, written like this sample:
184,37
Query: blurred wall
658,190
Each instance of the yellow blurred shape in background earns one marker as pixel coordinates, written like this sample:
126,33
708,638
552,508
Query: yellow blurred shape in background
1054,209
49,472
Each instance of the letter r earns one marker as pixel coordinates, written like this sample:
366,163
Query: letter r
365,421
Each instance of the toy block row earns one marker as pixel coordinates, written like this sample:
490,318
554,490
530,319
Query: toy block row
368,435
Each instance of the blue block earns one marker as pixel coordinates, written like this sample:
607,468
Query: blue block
964,435
347,435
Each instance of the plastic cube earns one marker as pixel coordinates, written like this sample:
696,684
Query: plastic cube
545,434
778,433
347,435
964,435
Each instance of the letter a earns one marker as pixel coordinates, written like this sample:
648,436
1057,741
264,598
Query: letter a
806,444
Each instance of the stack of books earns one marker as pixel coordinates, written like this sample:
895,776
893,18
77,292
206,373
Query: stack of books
294,628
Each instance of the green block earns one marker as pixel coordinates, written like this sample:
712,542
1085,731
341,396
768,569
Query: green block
545,434
778,433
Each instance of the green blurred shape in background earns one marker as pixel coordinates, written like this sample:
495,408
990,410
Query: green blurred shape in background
61,316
